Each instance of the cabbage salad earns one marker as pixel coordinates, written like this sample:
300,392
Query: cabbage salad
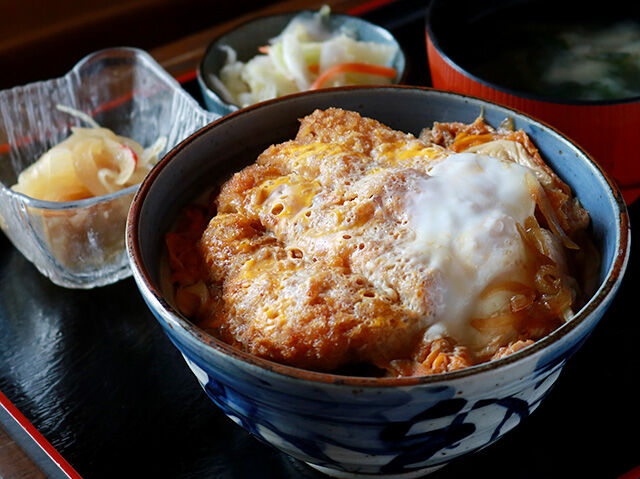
307,55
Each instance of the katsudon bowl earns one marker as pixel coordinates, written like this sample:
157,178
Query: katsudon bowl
352,426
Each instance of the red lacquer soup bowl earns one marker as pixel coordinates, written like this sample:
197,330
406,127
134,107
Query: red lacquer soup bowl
512,52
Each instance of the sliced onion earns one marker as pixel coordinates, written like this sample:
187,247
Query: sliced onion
122,162
150,155
91,162
85,153
78,114
540,197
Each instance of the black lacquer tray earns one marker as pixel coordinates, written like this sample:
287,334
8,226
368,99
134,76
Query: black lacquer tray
94,374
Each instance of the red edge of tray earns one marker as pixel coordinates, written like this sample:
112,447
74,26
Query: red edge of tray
38,438
632,474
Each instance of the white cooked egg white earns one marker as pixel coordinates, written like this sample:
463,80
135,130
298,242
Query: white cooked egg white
464,216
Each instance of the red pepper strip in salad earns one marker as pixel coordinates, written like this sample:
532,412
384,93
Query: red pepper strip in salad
135,157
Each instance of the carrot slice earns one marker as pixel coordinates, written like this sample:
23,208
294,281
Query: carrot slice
367,68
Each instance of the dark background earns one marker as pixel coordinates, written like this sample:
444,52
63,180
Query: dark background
44,39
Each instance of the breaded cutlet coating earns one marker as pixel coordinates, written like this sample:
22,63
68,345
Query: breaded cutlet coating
308,259
325,289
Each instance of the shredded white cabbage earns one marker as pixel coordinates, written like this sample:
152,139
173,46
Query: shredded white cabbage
91,162
305,49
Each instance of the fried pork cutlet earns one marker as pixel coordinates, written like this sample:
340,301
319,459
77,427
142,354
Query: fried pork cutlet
325,251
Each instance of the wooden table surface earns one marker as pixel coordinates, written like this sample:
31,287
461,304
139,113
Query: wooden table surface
14,462
180,59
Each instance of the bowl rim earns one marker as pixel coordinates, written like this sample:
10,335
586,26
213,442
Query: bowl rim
204,82
435,41
157,70
176,320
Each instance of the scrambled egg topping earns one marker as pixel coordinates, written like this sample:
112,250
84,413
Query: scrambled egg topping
324,252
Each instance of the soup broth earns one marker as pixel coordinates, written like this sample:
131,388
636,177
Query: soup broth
553,51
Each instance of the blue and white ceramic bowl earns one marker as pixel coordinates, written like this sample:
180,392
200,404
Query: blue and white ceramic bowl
351,426
246,38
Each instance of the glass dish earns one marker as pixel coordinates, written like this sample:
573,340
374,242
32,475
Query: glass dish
80,244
